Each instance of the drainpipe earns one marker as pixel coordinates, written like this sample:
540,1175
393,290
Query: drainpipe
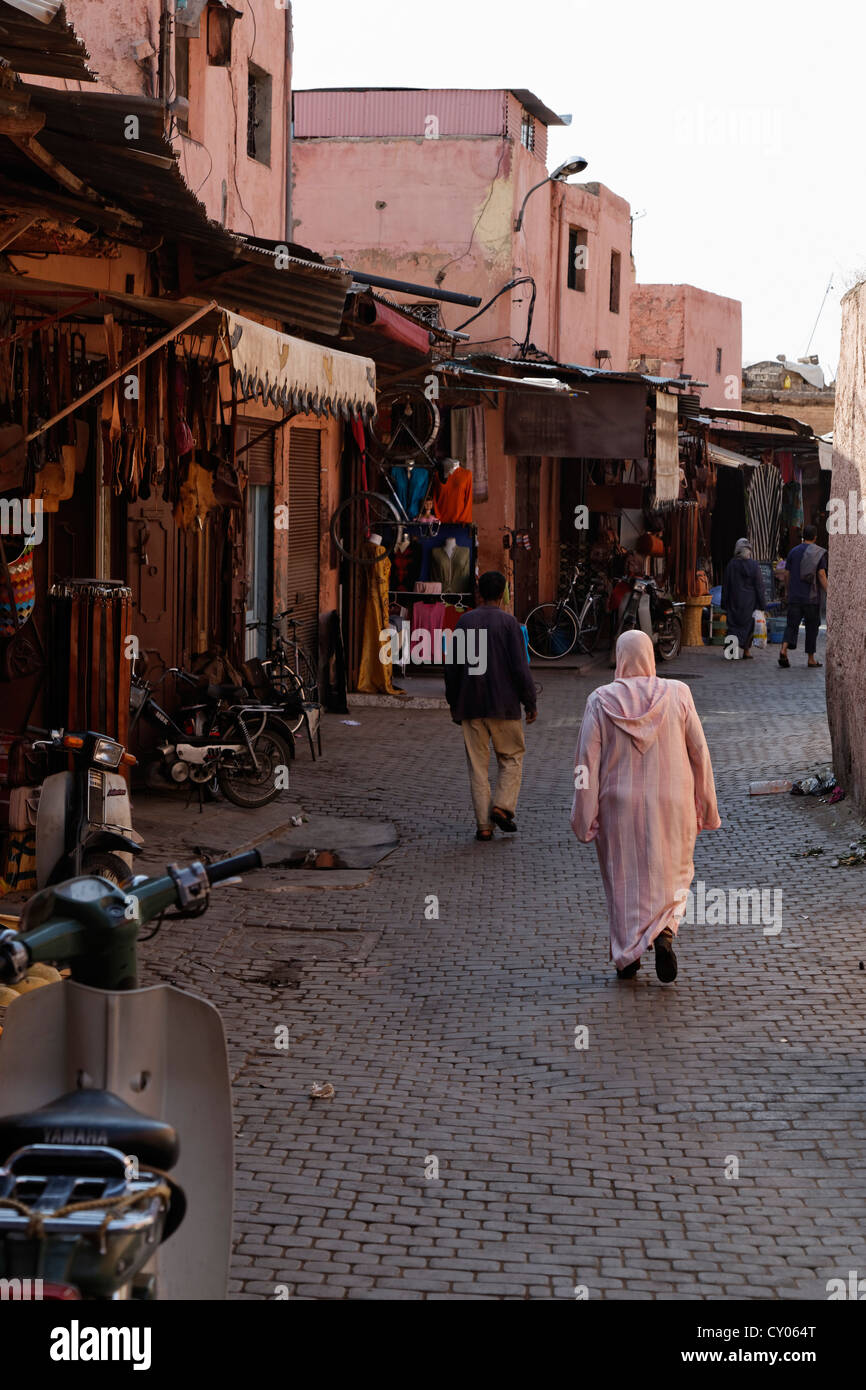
289,123
166,30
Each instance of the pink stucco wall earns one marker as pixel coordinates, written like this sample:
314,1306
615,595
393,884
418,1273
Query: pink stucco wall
846,595
417,209
248,195
678,328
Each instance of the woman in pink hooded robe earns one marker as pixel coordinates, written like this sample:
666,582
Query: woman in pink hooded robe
643,789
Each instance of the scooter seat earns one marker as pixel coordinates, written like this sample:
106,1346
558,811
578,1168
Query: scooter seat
92,1117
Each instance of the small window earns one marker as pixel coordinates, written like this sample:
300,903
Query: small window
718,361
578,258
527,131
181,81
259,115
615,267
219,36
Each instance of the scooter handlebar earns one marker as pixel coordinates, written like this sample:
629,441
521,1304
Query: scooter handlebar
238,864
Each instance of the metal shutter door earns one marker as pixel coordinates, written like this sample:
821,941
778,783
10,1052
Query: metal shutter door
302,573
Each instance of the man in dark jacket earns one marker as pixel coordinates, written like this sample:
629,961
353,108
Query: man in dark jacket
485,699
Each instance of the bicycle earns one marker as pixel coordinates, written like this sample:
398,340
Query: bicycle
405,428
287,668
555,629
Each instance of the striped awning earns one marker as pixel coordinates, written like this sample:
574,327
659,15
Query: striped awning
294,374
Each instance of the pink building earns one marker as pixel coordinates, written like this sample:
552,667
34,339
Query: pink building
225,70
427,186
678,329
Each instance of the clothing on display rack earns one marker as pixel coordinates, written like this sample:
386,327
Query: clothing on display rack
792,506
411,485
428,617
469,443
451,566
764,503
405,565
374,676
453,497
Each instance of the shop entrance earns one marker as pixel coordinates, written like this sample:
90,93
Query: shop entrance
526,525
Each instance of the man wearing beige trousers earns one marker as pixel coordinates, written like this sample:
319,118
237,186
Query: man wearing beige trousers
485,699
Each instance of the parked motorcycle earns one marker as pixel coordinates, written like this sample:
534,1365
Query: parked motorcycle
642,605
224,740
84,816
116,1135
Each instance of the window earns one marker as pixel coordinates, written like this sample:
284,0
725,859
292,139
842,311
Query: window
578,241
181,79
527,131
718,361
259,115
615,265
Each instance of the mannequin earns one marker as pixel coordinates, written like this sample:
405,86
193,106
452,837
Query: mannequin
403,543
375,540
450,564
450,547
453,497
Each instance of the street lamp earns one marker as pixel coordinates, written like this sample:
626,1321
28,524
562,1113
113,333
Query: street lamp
575,165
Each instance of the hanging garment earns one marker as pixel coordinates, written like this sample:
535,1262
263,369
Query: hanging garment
405,567
374,677
792,506
411,487
23,595
452,571
645,791
469,444
453,498
428,617
764,504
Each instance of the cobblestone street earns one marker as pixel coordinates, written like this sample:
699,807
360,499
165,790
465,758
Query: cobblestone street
608,1167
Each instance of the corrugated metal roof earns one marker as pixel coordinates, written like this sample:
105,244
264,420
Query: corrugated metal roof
85,131
569,369
40,49
380,112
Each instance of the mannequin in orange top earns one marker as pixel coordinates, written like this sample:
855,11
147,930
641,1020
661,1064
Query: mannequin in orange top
453,498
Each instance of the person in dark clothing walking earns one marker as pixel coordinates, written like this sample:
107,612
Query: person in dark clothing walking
807,576
742,594
485,700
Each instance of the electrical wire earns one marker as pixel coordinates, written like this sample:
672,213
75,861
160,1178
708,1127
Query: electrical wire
440,274
820,312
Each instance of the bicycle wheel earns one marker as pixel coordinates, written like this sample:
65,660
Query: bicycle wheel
589,627
552,631
406,423
361,516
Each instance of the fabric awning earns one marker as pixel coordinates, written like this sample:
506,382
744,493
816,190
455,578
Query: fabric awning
728,458
294,374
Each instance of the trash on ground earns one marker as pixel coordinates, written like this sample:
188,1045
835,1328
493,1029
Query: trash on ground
819,784
353,723
322,1090
769,788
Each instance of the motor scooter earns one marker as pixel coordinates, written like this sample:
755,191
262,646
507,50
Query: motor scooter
84,816
116,1133
645,607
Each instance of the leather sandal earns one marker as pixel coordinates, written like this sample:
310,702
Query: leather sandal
504,819
485,835
783,661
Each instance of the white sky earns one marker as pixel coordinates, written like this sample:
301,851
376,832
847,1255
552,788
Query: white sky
737,127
